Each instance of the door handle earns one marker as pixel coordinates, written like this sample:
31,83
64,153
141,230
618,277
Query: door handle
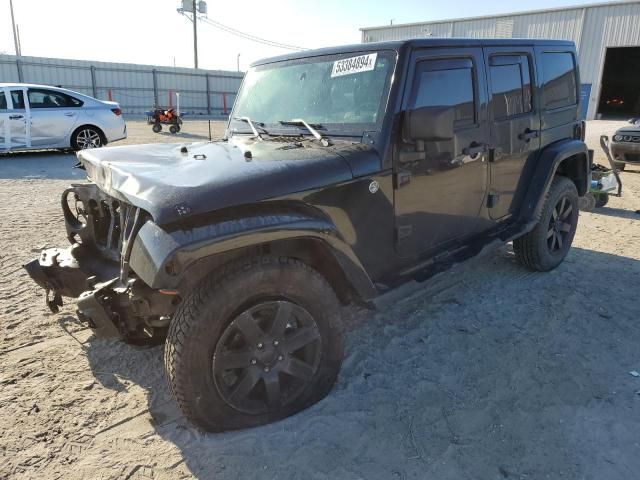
528,134
16,117
475,149
69,114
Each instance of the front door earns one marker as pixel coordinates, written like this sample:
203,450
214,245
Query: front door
4,121
515,124
441,184
18,115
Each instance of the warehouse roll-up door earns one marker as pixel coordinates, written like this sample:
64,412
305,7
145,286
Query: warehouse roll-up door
620,93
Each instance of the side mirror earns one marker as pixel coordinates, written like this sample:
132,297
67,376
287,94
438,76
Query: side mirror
428,124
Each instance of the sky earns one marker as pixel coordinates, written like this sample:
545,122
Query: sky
152,32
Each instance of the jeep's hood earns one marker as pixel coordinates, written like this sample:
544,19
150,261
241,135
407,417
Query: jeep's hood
172,185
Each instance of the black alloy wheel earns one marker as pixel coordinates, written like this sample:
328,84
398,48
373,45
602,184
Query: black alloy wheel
545,247
254,342
560,225
267,356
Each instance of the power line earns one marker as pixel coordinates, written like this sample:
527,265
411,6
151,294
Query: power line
248,36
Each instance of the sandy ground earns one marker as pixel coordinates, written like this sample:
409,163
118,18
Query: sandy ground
487,371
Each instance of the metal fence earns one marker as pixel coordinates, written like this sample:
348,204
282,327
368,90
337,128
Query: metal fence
136,87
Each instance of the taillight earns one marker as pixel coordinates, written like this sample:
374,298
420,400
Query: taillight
580,130
117,111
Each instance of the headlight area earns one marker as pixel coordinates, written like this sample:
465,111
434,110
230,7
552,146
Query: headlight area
112,299
628,138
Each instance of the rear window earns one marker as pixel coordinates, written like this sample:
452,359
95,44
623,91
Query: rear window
50,99
559,72
3,101
510,85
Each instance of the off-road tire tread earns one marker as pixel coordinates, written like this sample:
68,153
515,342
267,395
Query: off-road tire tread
187,313
526,247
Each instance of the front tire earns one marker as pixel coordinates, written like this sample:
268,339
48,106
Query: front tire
546,246
254,344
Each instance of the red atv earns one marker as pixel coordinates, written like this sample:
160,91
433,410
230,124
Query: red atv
159,116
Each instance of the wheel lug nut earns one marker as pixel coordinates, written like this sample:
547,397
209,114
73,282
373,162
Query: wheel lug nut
275,343
260,345
279,357
266,369
253,361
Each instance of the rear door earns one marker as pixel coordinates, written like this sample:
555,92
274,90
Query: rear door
514,124
18,117
441,184
53,116
4,121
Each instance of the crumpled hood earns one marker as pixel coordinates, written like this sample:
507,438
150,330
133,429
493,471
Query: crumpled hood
172,185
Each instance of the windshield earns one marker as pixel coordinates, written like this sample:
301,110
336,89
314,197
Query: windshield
347,91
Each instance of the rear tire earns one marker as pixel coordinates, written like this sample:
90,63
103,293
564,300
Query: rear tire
587,203
87,137
173,129
546,246
601,199
253,344
157,128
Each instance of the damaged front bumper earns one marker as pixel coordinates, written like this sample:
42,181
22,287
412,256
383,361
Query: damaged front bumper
72,272
112,301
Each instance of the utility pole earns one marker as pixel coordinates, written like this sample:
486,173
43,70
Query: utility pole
15,31
195,35
193,7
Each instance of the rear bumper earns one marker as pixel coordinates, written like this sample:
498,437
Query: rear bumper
116,132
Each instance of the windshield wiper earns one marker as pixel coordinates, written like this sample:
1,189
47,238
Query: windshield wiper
252,125
300,122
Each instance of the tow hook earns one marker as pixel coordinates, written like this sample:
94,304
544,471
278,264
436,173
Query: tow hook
55,303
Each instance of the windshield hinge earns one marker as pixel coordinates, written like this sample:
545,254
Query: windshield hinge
369,138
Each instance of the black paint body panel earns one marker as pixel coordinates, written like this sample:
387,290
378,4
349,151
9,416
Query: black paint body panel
384,210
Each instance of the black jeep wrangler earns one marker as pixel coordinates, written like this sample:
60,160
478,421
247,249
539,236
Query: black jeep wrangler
344,173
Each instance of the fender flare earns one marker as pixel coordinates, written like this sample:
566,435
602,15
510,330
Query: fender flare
547,166
164,258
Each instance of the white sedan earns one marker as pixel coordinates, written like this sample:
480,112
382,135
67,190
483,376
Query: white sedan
36,117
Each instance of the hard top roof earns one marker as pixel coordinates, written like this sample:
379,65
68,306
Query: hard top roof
415,43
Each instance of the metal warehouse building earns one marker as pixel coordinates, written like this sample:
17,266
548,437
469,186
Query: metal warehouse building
607,36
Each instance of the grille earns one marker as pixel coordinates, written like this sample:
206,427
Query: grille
98,221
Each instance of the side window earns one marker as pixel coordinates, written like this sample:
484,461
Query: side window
18,99
510,85
559,72
3,101
50,99
447,83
